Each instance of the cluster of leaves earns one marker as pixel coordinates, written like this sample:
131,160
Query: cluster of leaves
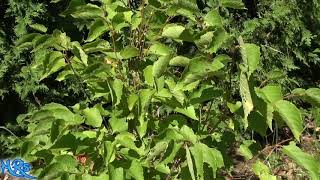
167,88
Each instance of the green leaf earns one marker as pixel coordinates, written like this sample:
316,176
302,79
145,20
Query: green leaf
117,86
136,170
248,149
69,162
98,28
303,159
52,171
118,124
291,116
234,107
262,171
129,52
127,139
26,40
313,96
117,173
175,31
26,148
190,163
93,117
202,153
132,100
270,93
56,129
199,68
246,97
188,134
316,116
148,75
39,27
205,93
235,4
175,149
251,57
179,61
220,37
145,97
159,148
88,11
188,111
160,66
98,45
257,122
197,154
213,18
79,53
159,49
162,168
109,151
54,62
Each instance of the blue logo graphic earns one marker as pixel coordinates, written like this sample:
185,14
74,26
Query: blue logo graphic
17,168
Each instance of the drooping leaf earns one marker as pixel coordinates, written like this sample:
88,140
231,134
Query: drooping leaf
291,115
197,154
313,96
190,163
303,159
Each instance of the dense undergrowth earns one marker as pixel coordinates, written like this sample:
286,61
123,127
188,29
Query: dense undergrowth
156,89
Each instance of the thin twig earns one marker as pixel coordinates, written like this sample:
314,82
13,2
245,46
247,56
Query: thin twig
8,130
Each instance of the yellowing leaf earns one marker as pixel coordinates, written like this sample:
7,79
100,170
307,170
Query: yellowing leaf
246,97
